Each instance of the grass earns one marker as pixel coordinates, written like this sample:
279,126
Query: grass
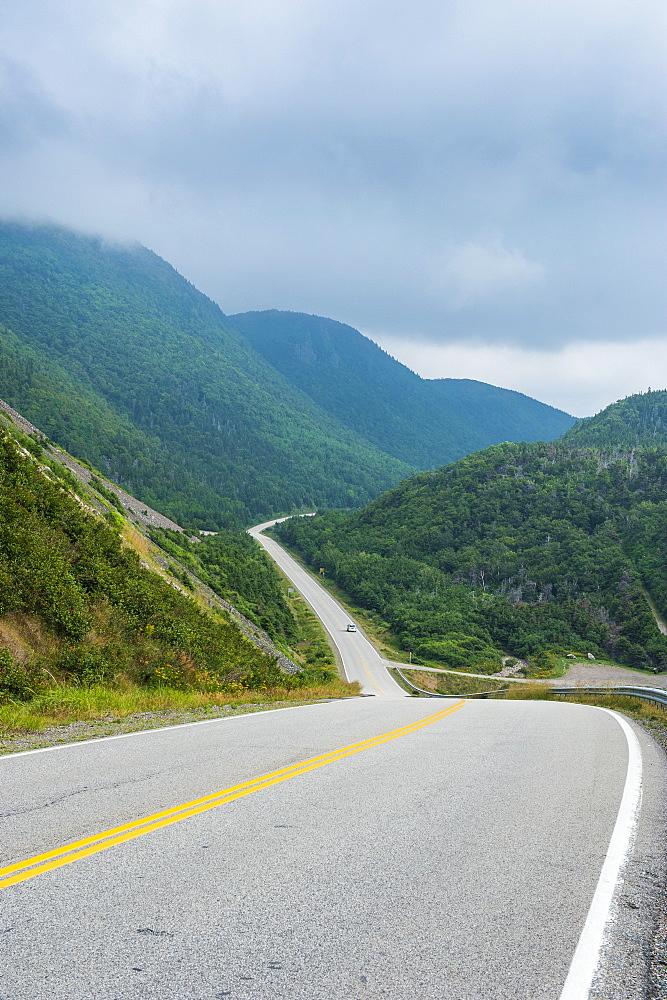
103,704
312,648
456,684
64,705
643,711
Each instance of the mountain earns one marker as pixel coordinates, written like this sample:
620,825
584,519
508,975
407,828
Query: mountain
96,589
637,421
123,362
526,549
79,605
424,422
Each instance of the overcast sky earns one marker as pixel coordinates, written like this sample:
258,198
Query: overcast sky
477,185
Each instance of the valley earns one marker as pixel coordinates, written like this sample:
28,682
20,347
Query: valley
152,652
533,551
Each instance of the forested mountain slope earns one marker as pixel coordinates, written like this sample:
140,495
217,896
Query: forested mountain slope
87,597
426,422
122,361
639,420
79,605
522,548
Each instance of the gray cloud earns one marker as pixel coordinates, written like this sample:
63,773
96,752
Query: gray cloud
454,172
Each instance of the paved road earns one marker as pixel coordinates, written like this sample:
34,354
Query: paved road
360,659
456,860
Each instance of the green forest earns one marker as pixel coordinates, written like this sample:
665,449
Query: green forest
234,566
77,607
222,421
637,421
123,362
424,422
529,550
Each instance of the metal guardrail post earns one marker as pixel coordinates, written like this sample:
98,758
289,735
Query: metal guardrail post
656,695
437,694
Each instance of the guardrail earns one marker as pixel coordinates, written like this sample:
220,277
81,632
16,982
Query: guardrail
437,694
657,695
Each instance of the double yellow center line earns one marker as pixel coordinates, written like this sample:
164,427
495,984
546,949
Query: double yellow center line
23,870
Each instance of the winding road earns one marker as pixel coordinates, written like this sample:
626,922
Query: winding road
360,660
381,847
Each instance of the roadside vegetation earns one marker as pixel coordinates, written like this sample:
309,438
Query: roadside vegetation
87,628
455,684
111,708
234,566
530,551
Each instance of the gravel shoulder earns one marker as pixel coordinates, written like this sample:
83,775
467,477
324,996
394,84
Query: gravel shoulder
587,674
93,729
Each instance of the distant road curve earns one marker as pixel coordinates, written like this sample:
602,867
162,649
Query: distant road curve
361,661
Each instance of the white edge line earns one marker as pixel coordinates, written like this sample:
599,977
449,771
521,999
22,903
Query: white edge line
161,729
257,532
156,729
267,549
587,954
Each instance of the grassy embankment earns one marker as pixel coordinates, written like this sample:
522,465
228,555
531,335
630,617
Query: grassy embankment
92,625
450,683
62,704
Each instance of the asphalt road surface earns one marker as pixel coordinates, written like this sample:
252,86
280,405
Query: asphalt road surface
361,661
424,849
384,847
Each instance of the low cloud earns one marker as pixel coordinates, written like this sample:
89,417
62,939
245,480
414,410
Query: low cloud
581,379
463,173
475,272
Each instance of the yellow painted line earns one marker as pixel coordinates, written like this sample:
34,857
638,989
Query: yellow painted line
368,674
22,870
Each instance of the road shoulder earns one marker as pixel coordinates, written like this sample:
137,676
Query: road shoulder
635,952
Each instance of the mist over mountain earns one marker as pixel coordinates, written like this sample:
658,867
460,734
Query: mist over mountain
218,420
123,362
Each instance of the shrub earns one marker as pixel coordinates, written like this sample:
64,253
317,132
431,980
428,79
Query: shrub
15,683
85,664
542,664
